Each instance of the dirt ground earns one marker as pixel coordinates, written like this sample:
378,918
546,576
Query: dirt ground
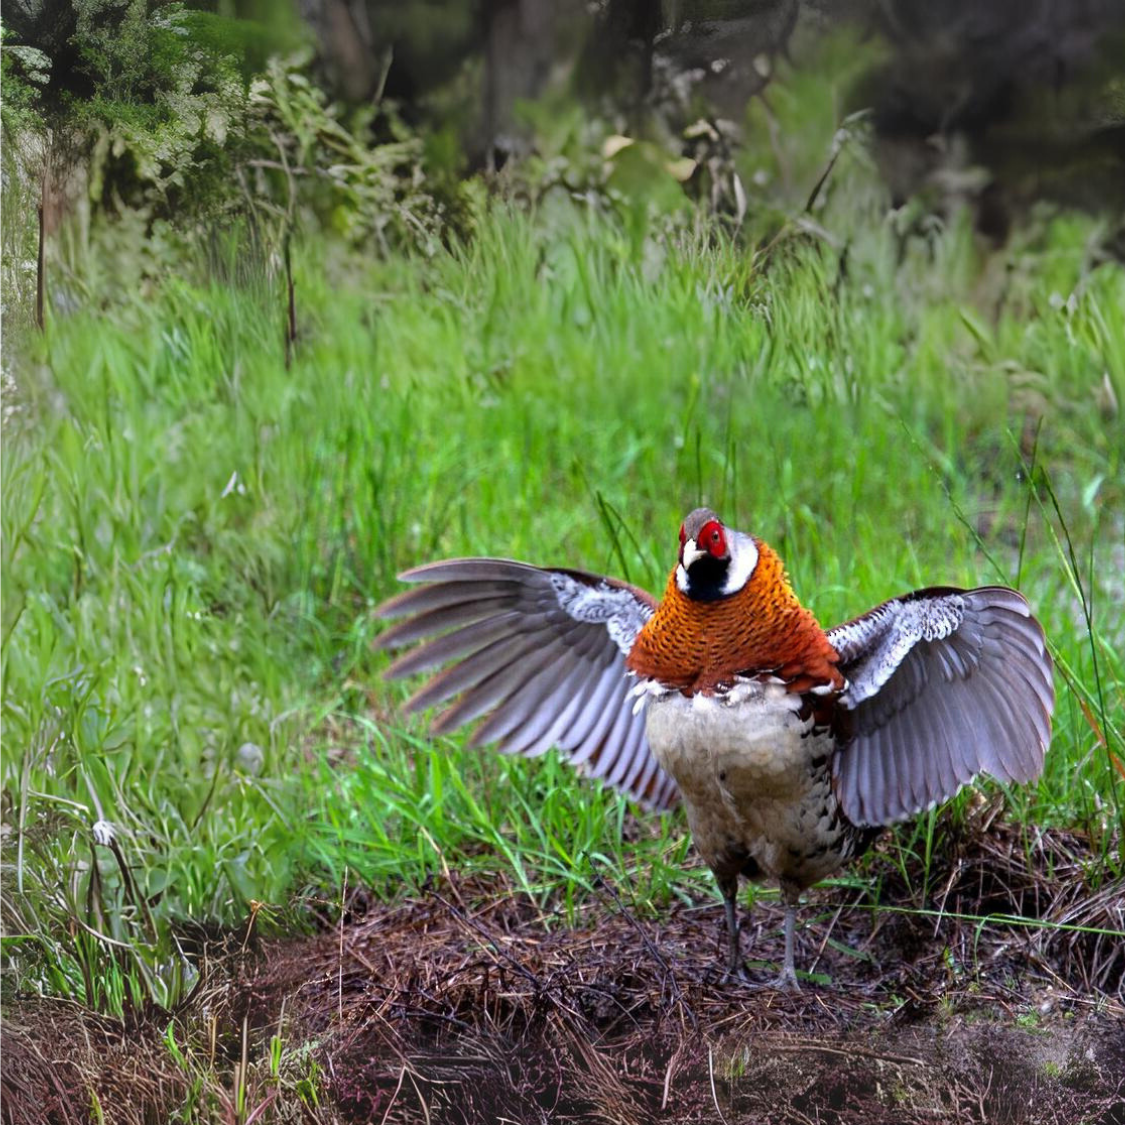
470,1005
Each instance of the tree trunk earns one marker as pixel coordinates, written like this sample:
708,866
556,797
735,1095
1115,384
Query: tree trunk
41,263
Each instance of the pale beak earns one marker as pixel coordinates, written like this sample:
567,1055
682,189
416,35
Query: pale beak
690,554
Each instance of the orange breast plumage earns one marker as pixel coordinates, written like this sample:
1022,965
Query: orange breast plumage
700,646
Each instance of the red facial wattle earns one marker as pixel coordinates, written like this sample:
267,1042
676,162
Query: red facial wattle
712,539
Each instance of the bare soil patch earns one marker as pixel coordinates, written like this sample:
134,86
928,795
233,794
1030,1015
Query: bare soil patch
471,1004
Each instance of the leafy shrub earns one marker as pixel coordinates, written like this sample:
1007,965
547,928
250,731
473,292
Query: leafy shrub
154,103
162,105
299,153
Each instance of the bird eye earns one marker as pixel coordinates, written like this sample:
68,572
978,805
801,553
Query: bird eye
712,537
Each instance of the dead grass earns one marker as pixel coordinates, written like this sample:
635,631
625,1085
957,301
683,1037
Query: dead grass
62,1062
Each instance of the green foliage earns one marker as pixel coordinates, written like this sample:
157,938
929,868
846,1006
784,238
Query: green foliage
195,531
305,156
157,109
157,100
127,48
577,156
118,955
162,104
24,71
193,537
127,91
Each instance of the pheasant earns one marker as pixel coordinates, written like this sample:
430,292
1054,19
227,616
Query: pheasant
790,747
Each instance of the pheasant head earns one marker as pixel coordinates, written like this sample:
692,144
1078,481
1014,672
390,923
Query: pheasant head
729,611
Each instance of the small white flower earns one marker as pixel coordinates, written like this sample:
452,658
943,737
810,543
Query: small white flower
104,833
250,758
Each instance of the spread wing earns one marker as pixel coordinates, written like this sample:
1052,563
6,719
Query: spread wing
944,684
541,653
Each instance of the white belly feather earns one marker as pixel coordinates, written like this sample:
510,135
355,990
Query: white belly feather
745,767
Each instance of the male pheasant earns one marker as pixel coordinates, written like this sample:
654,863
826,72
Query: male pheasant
789,746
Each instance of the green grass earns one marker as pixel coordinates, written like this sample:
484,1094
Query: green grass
194,538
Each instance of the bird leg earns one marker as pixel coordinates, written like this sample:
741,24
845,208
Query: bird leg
788,977
736,967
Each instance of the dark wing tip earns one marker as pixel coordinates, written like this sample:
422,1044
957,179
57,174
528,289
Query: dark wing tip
482,569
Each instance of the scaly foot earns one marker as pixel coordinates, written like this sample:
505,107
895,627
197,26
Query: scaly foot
786,981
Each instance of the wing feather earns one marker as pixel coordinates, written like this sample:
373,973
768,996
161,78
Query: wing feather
444,617
539,654
626,762
597,707
474,671
605,764
577,717
944,684
454,593
591,746
469,638
519,733
534,694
